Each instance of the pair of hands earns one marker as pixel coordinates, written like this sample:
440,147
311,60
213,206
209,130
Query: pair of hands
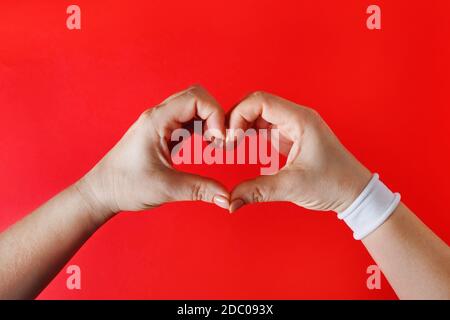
137,174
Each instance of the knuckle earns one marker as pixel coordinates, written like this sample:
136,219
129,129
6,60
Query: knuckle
199,192
258,195
263,98
260,95
194,90
148,114
313,113
298,118
148,120
309,116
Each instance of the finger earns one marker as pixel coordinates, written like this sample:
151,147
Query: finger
191,187
260,189
184,107
265,109
282,145
260,123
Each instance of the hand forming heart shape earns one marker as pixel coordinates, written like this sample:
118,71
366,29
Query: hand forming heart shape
137,174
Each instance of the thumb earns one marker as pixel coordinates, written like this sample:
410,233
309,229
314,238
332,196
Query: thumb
260,189
191,187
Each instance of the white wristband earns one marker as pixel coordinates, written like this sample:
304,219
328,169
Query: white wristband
371,209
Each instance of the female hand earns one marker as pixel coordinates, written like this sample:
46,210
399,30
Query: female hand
137,173
320,174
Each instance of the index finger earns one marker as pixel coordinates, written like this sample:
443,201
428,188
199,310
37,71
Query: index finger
281,113
187,105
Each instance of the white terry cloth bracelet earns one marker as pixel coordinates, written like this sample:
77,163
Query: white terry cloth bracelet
372,207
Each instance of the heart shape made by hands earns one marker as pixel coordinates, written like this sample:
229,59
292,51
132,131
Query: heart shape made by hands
319,172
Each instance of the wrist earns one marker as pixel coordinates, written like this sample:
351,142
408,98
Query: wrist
353,184
371,209
99,210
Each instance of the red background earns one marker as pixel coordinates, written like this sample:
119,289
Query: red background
67,96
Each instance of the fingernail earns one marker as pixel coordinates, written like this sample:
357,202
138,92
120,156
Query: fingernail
236,204
221,201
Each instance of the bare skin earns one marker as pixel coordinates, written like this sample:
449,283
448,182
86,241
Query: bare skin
136,174
413,259
321,174
34,249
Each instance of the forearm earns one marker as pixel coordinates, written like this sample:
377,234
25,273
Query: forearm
33,250
414,260
134,175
